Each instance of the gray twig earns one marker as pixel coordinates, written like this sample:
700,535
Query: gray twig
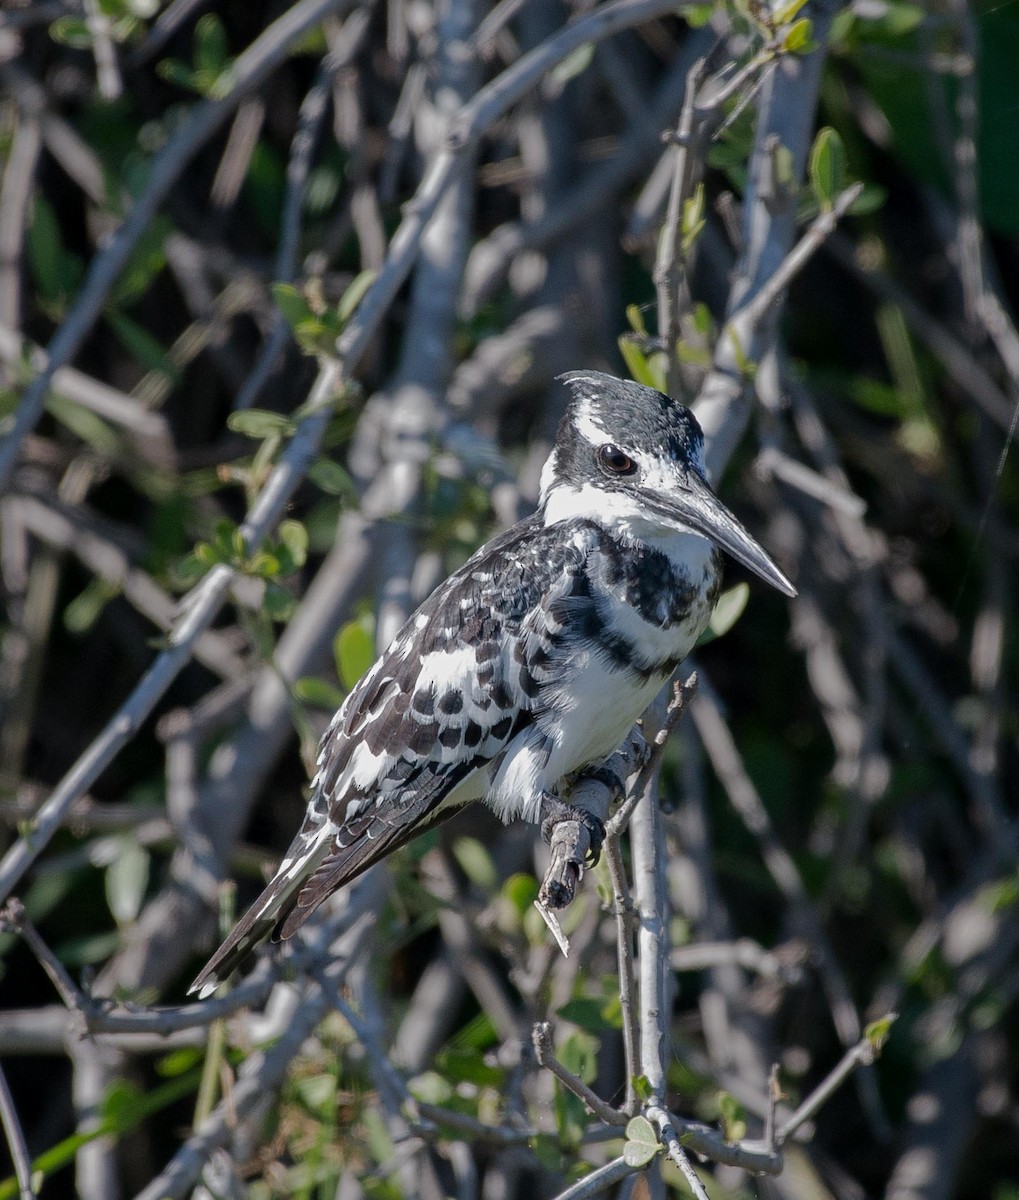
662,1121
864,1053
15,1141
541,1036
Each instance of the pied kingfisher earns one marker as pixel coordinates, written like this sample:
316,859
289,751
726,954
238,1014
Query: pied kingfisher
530,663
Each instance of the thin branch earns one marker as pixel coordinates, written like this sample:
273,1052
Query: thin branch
598,1181
541,1036
864,1053
756,1157
744,952
622,907
748,315
15,1141
15,917
682,694
662,1121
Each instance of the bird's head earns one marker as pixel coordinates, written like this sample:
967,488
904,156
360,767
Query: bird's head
630,457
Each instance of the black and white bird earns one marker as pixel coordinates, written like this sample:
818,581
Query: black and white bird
530,664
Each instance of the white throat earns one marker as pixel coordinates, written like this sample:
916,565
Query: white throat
622,517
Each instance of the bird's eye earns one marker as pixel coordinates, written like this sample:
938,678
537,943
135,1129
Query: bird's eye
617,461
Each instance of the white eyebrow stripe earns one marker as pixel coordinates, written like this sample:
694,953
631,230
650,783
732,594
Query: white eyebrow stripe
587,424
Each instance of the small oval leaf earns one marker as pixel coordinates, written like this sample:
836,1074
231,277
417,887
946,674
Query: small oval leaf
642,1142
354,651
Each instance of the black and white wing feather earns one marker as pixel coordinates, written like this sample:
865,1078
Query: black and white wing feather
414,738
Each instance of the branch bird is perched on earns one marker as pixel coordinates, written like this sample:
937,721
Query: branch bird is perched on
528,665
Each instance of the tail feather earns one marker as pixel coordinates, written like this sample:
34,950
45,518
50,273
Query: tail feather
266,914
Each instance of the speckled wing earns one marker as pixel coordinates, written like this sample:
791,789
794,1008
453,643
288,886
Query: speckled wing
458,682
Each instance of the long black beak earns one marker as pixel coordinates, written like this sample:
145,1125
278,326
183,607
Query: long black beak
700,509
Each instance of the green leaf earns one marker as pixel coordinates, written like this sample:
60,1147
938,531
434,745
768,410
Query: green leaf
187,1058
142,346
870,200
547,1151
573,64
207,554
73,32
210,46
475,862
331,478
430,1088
353,296
595,1014
55,270
827,167
277,602
729,609
88,950
579,1053
84,610
318,693
636,318
797,40
693,219
703,321
642,1088
84,423
783,166
521,890
697,15
258,423
696,356
292,304
178,73
146,261
733,1116
877,1032
127,877
642,1143
380,1144
478,1034
293,538
746,366
646,369
120,1106
316,1092
354,651
469,1066
1000,895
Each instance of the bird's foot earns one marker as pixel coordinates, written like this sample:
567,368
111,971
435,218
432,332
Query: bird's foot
575,839
555,811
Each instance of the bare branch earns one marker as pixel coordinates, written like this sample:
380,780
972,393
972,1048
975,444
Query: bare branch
15,1141
541,1036
864,1053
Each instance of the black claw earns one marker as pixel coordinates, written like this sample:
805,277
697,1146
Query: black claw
596,829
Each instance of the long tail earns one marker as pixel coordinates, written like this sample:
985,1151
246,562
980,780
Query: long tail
267,913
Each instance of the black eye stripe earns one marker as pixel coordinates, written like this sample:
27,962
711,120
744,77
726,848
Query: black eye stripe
615,461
